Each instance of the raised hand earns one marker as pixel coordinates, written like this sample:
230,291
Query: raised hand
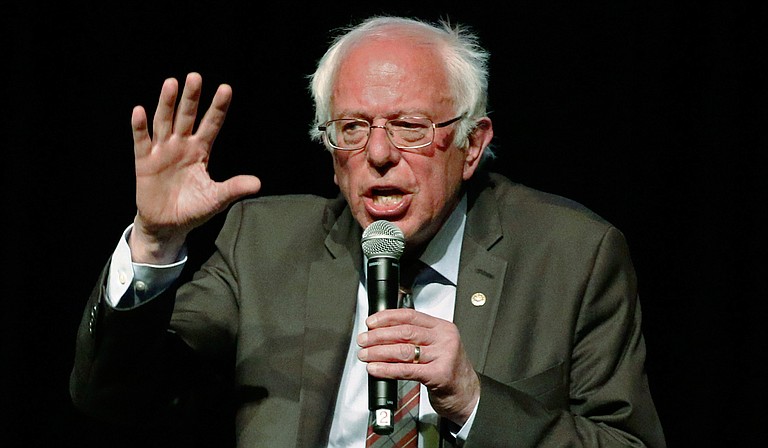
174,192
443,366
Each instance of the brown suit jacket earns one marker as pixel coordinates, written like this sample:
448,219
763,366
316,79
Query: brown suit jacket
557,342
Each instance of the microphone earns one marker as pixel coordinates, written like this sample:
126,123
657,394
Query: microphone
383,243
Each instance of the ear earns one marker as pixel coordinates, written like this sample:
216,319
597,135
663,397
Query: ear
335,166
479,139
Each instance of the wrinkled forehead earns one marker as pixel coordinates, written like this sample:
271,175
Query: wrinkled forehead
392,72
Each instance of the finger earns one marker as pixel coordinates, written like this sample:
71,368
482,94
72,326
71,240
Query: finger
401,316
162,123
399,371
187,111
403,353
214,117
142,144
399,334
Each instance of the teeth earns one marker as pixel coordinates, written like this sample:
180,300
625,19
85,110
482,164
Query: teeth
388,200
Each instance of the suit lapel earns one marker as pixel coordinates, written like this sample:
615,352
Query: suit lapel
330,310
481,277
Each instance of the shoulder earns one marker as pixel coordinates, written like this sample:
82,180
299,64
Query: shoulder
277,218
520,202
299,203
287,209
545,232
532,217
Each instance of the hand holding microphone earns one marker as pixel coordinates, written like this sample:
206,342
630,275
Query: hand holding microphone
444,368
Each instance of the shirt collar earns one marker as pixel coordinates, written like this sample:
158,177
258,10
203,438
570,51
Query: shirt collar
443,252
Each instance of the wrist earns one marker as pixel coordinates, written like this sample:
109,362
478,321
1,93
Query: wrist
473,392
156,248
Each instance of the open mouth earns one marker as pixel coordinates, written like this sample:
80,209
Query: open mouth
386,203
387,200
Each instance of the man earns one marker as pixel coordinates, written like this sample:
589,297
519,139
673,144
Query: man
528,333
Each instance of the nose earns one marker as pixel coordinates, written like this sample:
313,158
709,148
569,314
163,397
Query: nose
380,150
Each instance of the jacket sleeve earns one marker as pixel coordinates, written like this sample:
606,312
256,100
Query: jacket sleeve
123,359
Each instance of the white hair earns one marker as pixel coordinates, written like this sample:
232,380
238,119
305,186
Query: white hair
466,65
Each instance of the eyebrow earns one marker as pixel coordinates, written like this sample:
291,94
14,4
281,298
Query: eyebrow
389,116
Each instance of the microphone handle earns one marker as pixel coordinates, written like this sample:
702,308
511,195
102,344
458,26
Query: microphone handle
382,284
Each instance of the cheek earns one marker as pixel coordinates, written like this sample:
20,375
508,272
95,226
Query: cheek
440,185
339,169
433,187
343,175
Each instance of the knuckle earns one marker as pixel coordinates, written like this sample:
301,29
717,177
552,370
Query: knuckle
407,333
405,352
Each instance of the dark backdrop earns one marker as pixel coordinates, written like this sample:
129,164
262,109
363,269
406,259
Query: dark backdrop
651,115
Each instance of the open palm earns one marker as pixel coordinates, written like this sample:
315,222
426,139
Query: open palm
174,192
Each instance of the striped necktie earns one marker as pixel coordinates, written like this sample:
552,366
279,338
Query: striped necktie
406,425
406,429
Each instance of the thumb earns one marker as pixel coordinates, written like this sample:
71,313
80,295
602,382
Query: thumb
238,186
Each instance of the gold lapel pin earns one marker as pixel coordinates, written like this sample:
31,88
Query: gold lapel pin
478,299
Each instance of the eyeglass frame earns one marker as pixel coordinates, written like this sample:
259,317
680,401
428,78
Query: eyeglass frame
323,128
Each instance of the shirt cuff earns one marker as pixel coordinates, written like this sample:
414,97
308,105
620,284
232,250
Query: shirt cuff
461,436
130,284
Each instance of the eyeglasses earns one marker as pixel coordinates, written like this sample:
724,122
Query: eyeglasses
351,134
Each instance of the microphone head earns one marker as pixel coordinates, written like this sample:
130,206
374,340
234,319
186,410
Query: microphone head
383,239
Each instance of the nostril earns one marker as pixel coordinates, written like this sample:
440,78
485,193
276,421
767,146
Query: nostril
382,153
381,150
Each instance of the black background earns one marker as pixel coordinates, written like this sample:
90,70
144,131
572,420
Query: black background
652,115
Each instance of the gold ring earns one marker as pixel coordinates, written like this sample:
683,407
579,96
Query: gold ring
416,354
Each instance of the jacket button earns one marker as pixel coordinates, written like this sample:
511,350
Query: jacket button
92,320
